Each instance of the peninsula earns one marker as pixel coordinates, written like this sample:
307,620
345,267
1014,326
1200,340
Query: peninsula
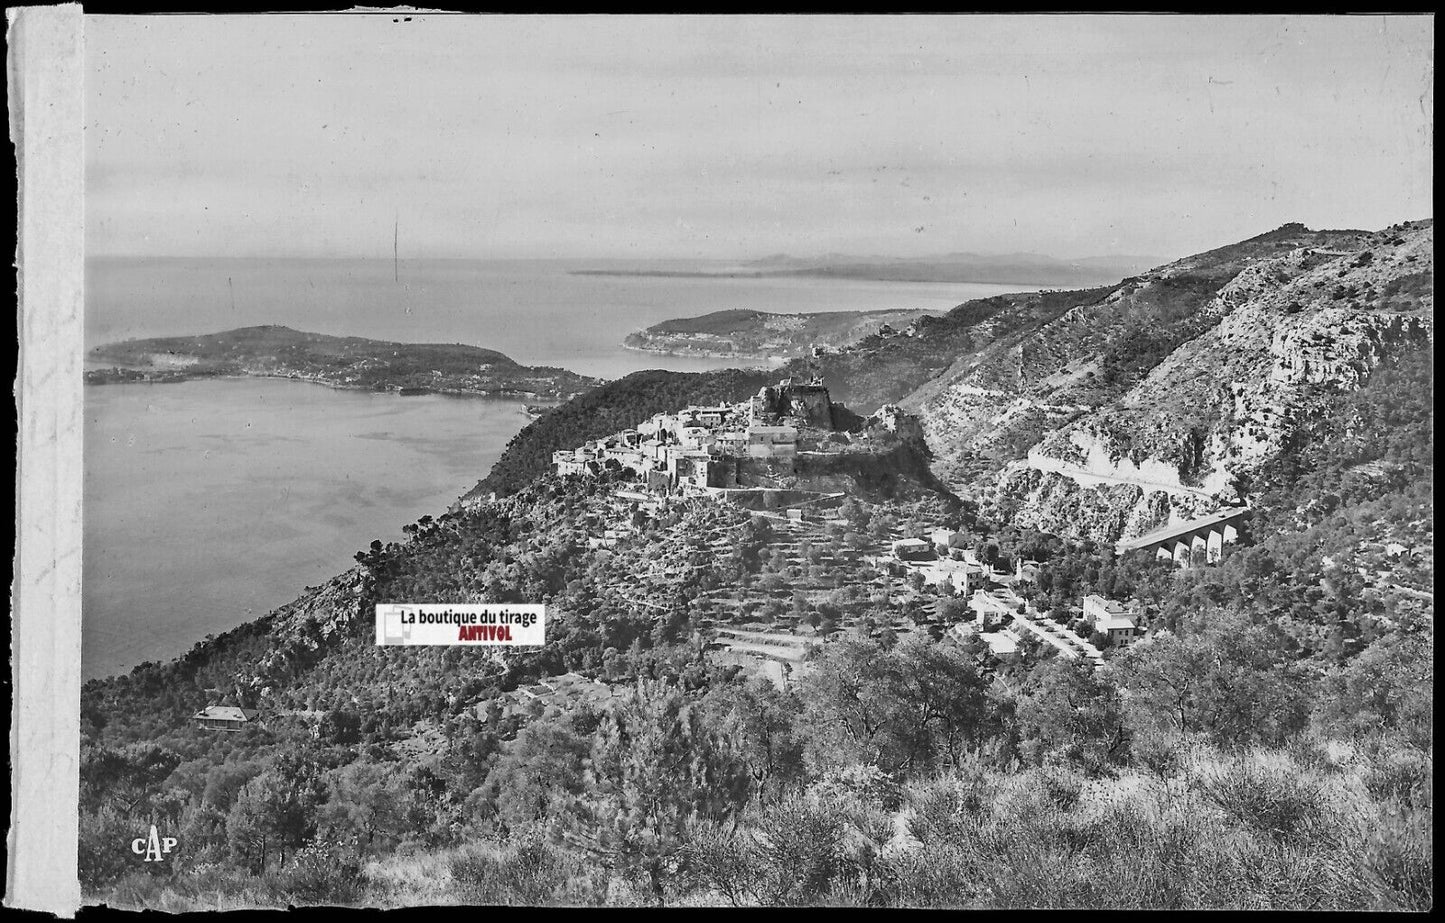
746,334
342,362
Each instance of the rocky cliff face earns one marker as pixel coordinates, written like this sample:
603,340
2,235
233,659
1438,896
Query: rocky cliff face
891,418
1341,347
898,471
1157,401
1103,511
301,632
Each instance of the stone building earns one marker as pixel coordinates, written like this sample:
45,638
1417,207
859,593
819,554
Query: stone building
1117,620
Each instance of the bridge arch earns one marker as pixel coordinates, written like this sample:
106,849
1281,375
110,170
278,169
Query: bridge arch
1207,534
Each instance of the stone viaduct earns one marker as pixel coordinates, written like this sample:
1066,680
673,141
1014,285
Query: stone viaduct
1208,533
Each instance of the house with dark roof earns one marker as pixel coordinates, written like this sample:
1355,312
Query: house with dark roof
225,718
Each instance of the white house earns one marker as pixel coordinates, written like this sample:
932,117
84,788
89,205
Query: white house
1110,617
1001,642
945,538
911,549
1000,603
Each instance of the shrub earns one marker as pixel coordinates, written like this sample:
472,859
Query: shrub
797,851
933,876
867,783
1402,774
322,872
1158,752
526,870
102,858
1398,859
1271,797
1060,786
137,890
717,861
947,811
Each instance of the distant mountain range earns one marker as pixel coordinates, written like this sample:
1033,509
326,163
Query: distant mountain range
1002,269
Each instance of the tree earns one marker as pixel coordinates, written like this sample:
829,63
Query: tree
539,773
951,610
1387,687
656,765
1068,713
276,812
759,719
1231,681
124,777
903,709
367,800
340,726
102,856
944,694
225,780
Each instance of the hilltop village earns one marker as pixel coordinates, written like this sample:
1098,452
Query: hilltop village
755,455
751,452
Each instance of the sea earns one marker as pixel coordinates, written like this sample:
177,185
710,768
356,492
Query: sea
210,503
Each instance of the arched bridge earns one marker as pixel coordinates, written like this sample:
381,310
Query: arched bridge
1208,533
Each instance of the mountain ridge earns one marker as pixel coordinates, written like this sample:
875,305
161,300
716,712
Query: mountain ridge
1092,377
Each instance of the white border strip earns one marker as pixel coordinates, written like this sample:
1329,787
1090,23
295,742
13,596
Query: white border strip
45,65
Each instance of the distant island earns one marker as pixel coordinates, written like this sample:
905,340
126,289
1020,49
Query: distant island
341,362
996,269
744,334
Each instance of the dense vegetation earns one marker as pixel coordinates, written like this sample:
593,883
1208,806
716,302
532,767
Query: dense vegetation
615,406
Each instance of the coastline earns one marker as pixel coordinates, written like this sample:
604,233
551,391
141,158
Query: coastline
706,354
498,394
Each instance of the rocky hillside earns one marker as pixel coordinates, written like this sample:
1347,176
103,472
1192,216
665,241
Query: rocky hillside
1109,412
881,369
1275,344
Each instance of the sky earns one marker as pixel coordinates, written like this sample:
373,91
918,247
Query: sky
740,137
